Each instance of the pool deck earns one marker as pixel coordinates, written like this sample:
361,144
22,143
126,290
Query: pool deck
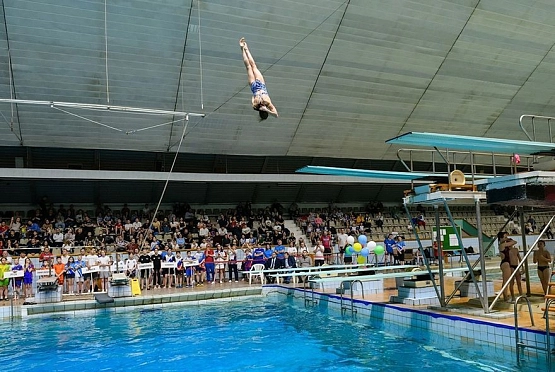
460,306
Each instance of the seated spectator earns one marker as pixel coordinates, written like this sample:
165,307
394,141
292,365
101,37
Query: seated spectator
290,263
548,232
420,221
379,220
57,238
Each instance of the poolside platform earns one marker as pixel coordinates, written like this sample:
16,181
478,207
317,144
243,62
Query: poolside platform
461,307
148,299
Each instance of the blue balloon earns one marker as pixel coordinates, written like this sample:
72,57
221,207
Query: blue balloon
362,239
364,252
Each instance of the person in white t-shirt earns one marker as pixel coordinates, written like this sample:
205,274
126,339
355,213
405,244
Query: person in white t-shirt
137,224
131,266
341,242
91,260
104,263
58,238
120,264
203,231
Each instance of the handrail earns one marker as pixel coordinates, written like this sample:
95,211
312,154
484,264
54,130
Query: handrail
521,263
307,300
521,124
547,333
353,310
518,344
342,289
470,153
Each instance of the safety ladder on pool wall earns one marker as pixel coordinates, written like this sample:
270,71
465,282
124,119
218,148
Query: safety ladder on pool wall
344,308
309,300
520,346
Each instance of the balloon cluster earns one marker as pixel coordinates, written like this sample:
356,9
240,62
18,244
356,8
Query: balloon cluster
363,248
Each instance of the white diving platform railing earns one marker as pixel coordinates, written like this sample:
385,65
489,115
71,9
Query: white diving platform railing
455,159
534,130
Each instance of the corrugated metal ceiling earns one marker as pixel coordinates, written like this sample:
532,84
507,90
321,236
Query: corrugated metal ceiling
345,75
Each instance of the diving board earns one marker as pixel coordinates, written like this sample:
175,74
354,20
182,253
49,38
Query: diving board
458,142
367,173
282,274
334,273
394,275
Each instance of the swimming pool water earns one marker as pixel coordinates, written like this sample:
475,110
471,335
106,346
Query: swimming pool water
254,334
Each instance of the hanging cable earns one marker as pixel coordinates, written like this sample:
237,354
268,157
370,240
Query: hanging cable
154,126
106,49
86,119
167,180
11,87
200,58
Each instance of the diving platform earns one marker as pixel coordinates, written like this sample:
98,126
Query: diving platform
534,189
439,197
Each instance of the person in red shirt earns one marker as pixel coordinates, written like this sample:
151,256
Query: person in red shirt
46,255
4,228
209,264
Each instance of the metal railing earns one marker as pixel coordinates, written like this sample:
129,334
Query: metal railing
533,117
450,159
520,346
342,290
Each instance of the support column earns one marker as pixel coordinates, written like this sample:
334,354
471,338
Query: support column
485,303
524,249
440,258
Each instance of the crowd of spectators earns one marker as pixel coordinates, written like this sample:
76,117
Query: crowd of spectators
125,230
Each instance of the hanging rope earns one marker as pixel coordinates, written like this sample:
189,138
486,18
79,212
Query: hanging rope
155,126
200,58
167,180
86,119
106,48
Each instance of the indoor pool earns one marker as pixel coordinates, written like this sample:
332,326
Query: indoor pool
253,334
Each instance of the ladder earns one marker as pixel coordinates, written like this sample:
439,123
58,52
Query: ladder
520,346
345,308
549,295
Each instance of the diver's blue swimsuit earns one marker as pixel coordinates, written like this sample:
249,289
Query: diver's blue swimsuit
258,88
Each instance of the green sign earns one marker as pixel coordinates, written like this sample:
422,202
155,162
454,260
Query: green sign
449,241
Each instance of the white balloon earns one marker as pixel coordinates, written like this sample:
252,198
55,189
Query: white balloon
371,245
350,240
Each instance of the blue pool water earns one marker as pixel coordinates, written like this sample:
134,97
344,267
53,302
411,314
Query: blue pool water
253,334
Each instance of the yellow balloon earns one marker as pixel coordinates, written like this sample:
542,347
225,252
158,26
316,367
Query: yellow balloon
361,259
357,247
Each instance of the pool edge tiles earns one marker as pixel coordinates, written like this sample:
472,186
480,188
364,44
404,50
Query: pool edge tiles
128,303
468,330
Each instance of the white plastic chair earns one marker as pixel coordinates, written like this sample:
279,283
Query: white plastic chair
256,270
